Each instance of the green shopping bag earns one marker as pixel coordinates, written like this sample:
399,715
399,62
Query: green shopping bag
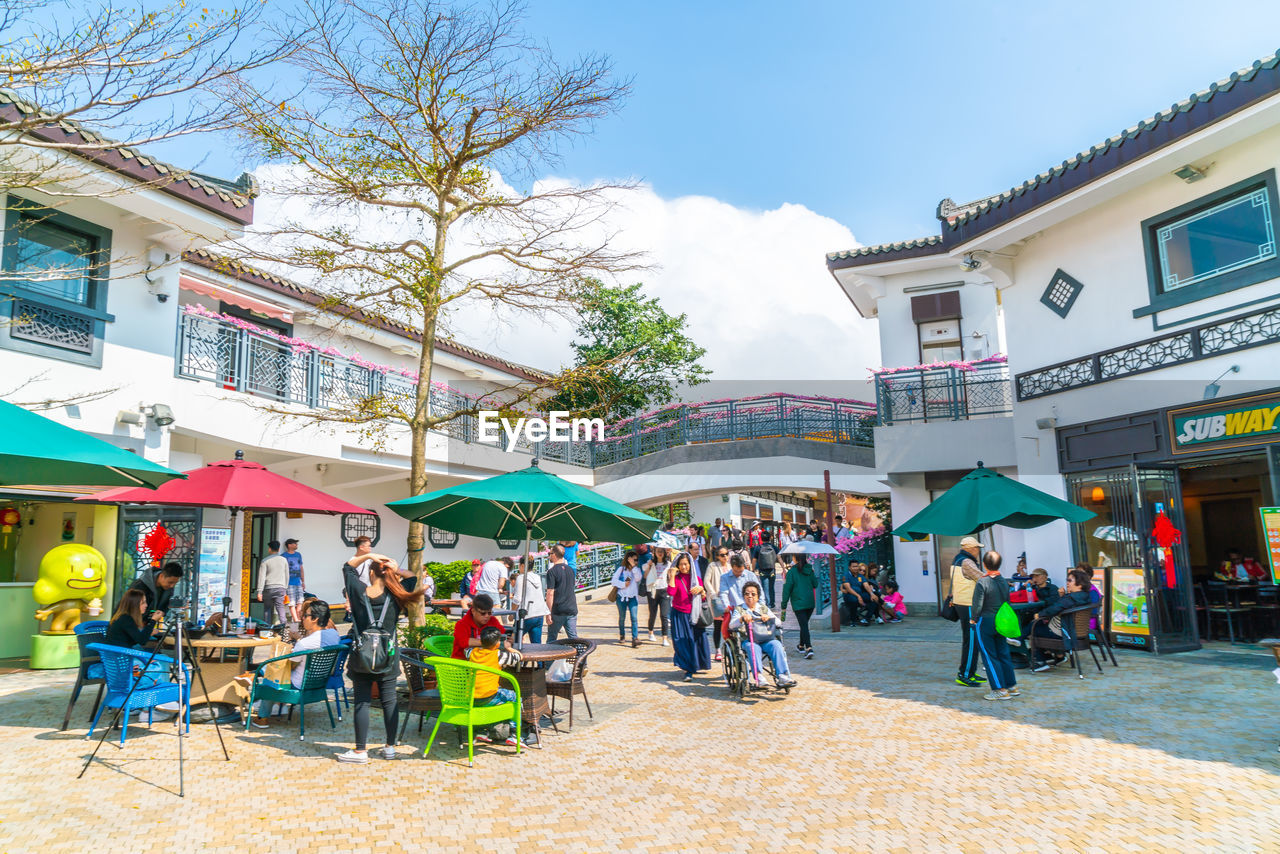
1007,622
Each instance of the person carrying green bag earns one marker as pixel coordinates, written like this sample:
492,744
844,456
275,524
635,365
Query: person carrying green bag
990,598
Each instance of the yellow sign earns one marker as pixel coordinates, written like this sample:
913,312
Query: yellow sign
1271,527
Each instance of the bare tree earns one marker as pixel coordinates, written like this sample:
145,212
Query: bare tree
397,166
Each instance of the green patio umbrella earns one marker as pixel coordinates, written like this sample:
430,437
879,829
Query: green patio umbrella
529,503
984,497
36,451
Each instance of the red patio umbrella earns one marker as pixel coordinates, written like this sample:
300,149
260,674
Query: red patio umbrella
234,485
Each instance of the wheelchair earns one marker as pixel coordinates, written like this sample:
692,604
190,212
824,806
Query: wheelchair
737,667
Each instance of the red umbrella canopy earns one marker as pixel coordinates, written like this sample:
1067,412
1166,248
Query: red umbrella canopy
236,485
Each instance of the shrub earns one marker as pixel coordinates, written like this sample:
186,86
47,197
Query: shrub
412,637
448,576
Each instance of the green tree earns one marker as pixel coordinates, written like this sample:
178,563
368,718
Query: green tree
630,354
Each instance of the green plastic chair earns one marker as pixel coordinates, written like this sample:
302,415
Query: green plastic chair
456,680
315,679
441,645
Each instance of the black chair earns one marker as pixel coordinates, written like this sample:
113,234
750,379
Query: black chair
422,697
1267,607
1075,637
91,671
1220,602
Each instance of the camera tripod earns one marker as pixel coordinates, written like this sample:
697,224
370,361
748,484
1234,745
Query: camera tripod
178,672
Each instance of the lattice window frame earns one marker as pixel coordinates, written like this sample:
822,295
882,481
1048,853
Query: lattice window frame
1061,293
355,525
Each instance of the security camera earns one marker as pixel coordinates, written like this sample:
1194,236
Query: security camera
162,414
968,263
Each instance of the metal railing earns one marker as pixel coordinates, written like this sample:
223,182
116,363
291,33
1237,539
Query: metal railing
943,394
238,359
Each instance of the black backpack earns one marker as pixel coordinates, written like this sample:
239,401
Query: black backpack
373,650
767,557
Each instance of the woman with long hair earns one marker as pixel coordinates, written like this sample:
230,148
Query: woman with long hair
626,583
692,653
800,592
377,604
128,627
656,582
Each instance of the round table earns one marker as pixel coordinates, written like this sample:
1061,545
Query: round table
219,676
532,677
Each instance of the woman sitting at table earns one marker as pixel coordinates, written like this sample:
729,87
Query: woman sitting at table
1048,622
127,627
689,642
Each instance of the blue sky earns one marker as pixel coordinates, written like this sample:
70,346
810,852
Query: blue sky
872,112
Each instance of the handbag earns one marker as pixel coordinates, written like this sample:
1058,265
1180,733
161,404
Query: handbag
700,609
612,595
373,650
949,611
1007,623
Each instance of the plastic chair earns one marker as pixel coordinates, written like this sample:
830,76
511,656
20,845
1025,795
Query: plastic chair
423,695
118,665
317,669
441,645
456,680
336,682
90,672
582,648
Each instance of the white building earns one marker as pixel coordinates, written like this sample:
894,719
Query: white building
1135,287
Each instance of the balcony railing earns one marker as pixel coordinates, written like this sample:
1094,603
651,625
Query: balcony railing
943,394
238,359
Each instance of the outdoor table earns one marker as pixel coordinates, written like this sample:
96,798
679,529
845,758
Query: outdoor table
219,676
532,676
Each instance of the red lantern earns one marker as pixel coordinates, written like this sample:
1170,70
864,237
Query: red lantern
157,544
1166,537
9,517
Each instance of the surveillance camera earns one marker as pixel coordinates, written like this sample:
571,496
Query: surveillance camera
968,263
162,414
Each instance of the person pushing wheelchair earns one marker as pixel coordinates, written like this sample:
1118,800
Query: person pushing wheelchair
761,628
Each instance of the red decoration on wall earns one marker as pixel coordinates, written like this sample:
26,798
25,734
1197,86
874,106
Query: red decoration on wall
1166,537
157,543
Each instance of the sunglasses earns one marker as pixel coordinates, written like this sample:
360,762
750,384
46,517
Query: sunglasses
484,613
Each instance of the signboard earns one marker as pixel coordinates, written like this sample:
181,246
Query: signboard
441,539
1130,622
1271,529
211,571
1211,426
508,545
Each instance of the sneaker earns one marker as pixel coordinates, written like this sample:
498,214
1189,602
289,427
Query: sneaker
799,647
621,639
997,695
1041,668
635,642
968,683
1013,642
665,642
511,741
978,679
688,677
863,623
879,621
786,682
896,620
717,656
355,757
1014,692
260,723
651,637
483,738
808,653
387,753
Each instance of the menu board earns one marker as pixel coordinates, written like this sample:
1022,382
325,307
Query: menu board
1128,606
211,570
1271,528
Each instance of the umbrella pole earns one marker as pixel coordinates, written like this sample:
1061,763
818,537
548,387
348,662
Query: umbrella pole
231,562
524,585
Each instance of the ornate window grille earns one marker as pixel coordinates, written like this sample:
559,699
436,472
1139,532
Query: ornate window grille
356,525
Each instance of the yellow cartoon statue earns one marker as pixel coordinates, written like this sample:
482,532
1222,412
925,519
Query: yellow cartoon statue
72,579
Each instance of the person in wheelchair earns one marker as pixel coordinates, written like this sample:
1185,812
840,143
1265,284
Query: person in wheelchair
760,628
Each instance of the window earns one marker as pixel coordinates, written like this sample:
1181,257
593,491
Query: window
748,509
1215,244
1061,293
356,525
54,283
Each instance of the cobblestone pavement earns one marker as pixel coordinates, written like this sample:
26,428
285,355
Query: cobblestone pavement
876,750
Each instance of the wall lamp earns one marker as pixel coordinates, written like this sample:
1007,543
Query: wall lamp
1212,389
161,414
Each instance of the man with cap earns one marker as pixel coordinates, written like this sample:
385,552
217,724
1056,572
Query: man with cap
965,573
297,580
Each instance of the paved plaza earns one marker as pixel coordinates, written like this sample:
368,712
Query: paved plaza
875,750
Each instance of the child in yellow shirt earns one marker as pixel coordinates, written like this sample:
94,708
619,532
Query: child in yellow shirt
487,692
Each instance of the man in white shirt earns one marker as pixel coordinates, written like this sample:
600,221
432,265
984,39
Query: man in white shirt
493,579
315,619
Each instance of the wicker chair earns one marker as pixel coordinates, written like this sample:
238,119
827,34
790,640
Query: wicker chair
422,697
1075,638
582,649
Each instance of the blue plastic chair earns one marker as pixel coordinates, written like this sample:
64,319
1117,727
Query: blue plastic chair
118,664
90,672
336,683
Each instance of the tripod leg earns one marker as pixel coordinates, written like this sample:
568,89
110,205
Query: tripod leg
217,727
124,704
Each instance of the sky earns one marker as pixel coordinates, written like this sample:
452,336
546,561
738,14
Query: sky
765,135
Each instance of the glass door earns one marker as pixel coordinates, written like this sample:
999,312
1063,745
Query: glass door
1167,566
263,531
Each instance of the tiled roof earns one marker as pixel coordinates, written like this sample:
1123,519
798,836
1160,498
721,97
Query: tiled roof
272,282
231,200
885,252
1199,110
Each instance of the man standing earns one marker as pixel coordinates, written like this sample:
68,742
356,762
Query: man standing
492,579
700,562
562,596
157,589
297,579
764,558
717,534
571,554
273,579
964,576
840,529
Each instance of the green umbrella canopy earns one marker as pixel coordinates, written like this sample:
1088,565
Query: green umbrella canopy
984,497
36,451
505,506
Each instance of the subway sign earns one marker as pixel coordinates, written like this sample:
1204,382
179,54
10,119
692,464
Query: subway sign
1228,424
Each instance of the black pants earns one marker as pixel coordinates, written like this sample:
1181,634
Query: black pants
717,629
660,603
363,688
802,617
766,581
968,648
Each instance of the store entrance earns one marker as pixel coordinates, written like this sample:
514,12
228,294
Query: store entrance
1222,498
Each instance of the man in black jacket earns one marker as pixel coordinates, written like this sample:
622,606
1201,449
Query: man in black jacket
1048,620
157,587
765,558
